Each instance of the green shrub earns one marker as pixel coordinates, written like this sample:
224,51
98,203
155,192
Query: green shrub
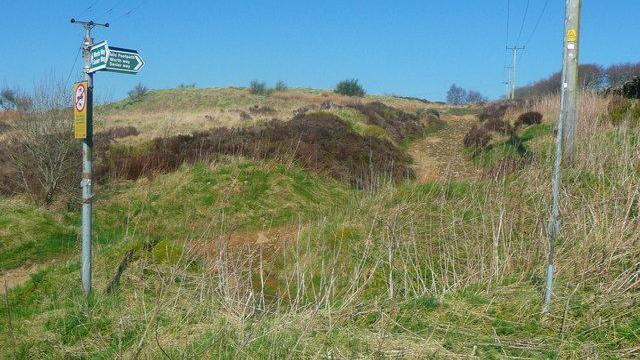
350,88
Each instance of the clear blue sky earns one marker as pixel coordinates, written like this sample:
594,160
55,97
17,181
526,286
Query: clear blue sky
412,48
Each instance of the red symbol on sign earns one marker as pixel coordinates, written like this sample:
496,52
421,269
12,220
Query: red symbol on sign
80,98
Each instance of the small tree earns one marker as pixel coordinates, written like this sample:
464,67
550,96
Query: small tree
281,86
11,99
350,88
475,97
456,95
258,88
42,150
138,92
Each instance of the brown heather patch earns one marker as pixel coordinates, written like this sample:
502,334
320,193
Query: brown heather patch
398,124
320,142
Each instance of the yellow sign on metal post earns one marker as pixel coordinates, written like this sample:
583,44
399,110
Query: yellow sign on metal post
572,35
80,94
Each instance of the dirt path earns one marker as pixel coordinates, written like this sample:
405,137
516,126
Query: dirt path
441,155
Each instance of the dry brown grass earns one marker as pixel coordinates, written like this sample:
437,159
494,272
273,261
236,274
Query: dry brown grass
181,112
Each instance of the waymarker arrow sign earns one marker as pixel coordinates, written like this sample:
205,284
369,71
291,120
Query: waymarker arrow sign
109,58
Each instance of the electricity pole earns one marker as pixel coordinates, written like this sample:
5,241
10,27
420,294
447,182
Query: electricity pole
87,148
570,80
508,83
566,131
514,56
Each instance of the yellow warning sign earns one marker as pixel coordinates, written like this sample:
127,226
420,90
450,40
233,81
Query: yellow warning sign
572,35
80,100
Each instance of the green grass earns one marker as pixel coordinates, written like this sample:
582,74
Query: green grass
31,235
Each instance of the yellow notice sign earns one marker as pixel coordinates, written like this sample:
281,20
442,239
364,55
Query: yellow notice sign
572,35
80,94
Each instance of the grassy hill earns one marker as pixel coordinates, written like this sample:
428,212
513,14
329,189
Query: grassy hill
234,256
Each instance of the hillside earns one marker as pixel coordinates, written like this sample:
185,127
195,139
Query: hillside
248,249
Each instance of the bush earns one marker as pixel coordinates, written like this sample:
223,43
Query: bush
399,125
281,86
496,110
499,126
617,109
350,88
529,118
477,139
138,92
259,88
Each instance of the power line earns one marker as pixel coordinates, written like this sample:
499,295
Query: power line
508,15
90,7
132,10
544,8
524,19
110,10
73,67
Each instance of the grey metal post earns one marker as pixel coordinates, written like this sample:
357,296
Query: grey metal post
570,82
87,147
567,114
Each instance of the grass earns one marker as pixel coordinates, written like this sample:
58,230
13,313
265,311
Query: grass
300,265
31,235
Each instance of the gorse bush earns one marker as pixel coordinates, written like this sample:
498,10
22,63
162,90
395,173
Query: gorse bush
350,88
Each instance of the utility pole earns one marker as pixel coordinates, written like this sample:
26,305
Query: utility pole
514,58
507,83
507,91
87,148
565,132
570,79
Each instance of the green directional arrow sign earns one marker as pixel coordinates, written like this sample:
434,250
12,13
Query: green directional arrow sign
124,60
109,58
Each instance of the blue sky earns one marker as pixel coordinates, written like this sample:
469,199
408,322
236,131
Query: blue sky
412,48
